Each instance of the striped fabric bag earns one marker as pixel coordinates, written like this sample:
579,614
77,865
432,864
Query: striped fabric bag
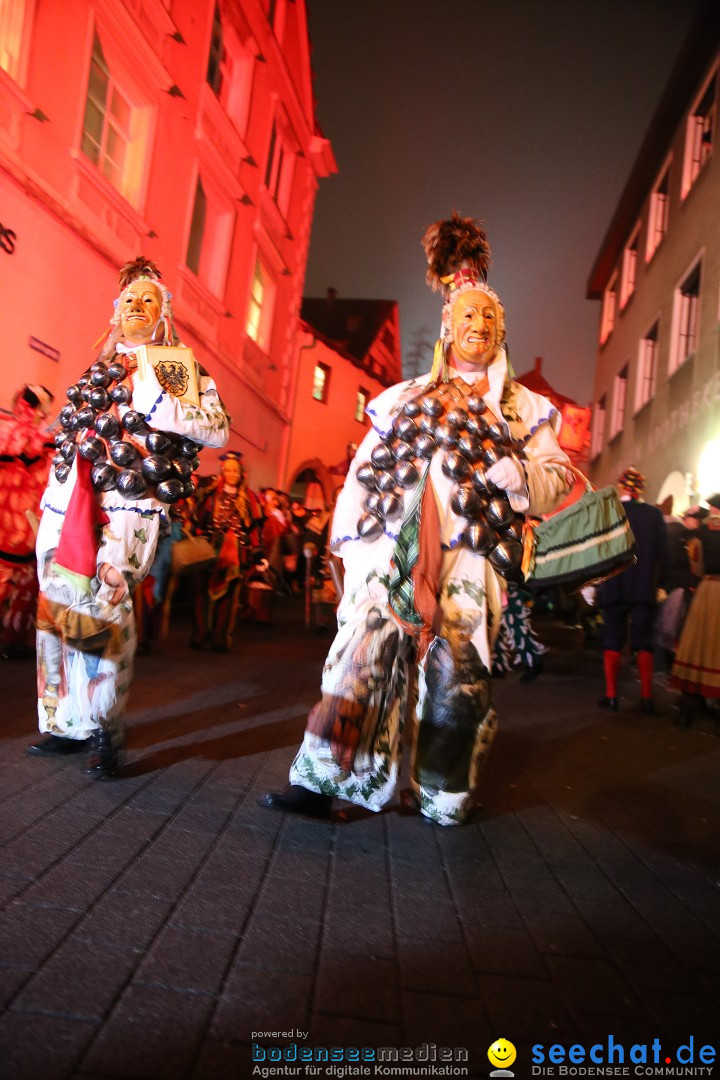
584,544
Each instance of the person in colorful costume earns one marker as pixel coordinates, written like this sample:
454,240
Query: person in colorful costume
24,463
229,514
100,525
428,525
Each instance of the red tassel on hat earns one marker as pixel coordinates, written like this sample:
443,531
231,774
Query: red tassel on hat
76,553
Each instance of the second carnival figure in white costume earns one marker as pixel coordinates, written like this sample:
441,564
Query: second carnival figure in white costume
429,526
127,450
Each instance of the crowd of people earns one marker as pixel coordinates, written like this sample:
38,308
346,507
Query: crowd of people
428,526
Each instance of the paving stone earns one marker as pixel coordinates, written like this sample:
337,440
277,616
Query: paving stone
357,985
452,1022
34,1047
504,950
222,1059
442,968
529,1008
80,982
11,981
190,960
281,943
254,999
29,934
564,933
591,985
150,1033
415,918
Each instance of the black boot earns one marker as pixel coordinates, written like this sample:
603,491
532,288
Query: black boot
609,703
104,756
298,800
54,745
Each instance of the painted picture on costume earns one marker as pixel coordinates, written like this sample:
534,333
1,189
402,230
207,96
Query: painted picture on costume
174,367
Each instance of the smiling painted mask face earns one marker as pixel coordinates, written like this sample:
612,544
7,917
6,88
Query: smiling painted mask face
475,332
141,306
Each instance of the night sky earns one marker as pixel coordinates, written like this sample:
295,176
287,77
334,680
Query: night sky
526,114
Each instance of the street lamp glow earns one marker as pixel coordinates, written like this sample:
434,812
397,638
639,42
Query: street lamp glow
708,469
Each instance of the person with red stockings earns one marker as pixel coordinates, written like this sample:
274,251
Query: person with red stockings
632,595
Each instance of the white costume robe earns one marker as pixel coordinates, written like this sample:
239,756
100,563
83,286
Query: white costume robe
85,644
353,741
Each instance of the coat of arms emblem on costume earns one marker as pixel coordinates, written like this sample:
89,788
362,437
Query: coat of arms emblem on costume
172,376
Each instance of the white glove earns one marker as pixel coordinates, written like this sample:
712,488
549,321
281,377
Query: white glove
589,595
508,475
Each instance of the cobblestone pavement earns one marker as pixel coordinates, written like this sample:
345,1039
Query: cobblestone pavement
151,925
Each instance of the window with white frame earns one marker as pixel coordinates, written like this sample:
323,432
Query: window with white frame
211,229
609,307
260,308
686,317
279,169
647,367
321,382
598,427
629,267
363,396
617,422
15,23
659,212
230,70
108,123
700,134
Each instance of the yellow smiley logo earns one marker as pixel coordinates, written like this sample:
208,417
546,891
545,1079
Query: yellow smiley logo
502,1053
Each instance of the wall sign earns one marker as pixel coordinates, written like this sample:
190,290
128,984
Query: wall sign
7,239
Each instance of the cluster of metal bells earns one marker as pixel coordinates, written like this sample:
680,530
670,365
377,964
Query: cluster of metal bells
443,419
89,428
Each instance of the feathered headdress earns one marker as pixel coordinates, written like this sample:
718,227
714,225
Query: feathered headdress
137,270
455,246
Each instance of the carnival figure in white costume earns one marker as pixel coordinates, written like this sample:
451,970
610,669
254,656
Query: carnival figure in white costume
127,449
429,526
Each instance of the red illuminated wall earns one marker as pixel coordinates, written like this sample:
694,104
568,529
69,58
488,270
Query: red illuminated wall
73,228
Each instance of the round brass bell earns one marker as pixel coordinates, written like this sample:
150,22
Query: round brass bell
411,408
369,527
405,428
432,406
492,454
499,512
446,436
506,556
497,432
477,425
429,424
382,456
372,502
467,503
385,481
457,417
425,445
514,529
470,448
482,485
404,451
455,466
391,506
475,404
367,476
478,537
406,474
62,471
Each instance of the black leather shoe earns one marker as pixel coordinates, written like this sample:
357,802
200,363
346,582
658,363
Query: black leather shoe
647,706
53,745
104,756
532,672
609,703
298,800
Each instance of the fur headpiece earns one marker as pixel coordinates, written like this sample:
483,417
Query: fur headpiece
456,246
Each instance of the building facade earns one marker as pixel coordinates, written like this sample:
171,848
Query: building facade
183,130
349,351
657,378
